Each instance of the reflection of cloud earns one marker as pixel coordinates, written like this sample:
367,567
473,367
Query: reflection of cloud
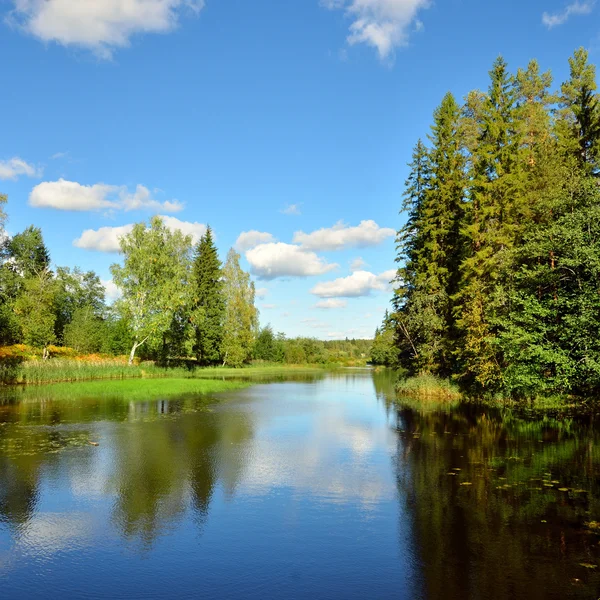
332,458
49,533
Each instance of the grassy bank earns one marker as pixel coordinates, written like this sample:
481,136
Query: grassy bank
427,386
62,370
132,390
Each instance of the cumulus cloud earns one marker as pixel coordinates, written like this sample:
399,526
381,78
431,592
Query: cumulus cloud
360,283
261,292
14,167
70,195
113,292
341,236
551,20
331,303
382,24
106,239
98,25
357,264
272,260
291,209
250,239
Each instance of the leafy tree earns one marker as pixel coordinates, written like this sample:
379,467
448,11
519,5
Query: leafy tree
154,280
208,305
27,252
241,316
35,310
265,347
86,331
77,290
384,351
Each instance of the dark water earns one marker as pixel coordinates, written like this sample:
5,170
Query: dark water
314,489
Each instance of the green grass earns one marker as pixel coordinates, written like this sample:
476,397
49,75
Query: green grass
61,370
428,387
131,390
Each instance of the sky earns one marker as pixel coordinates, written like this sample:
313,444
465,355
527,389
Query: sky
286,126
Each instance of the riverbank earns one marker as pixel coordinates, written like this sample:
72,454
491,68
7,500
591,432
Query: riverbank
430,389
67,370
131,390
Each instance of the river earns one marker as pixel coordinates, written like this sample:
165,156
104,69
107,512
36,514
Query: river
317,488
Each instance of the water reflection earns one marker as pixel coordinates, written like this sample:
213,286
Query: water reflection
501,507
323,487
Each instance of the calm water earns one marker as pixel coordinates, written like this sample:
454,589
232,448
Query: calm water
304,489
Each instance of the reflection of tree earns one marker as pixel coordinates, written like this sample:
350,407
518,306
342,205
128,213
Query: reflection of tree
160,462
511,533
165,454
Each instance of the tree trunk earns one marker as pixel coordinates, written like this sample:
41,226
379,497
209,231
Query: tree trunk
132,353
45,353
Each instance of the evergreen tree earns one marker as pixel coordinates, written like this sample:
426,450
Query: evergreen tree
208,305
493,224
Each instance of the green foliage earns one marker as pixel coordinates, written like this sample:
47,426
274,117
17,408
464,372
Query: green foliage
35,310
208,305
498,283
241,317
153,280
85,332
384,350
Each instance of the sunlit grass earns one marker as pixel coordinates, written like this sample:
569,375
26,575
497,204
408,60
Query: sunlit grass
428,387
128,389
60,370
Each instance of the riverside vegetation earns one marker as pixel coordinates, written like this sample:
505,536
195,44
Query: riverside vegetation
498,286
179,309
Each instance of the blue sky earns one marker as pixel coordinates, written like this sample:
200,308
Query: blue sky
287,118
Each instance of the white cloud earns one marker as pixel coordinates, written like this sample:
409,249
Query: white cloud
14,167
268,306
98,25
291,209
360,283
382,24
261,292
358,264
195,229
551,20
269,261
341,236
331,303
106,239
142,199
70,195
250,239
336,335
113,292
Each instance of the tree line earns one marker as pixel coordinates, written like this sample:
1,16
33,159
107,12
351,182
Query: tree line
177,302
498,284
177,299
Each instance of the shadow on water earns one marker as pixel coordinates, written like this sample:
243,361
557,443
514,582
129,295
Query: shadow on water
502,507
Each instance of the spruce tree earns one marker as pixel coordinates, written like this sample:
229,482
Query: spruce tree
208,303
493,225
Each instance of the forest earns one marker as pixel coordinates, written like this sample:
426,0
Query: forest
498,282
178,305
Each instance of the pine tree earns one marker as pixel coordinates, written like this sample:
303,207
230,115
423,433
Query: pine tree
430,243
578,126
493,225
208,305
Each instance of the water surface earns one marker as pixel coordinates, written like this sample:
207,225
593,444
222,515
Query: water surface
314,488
